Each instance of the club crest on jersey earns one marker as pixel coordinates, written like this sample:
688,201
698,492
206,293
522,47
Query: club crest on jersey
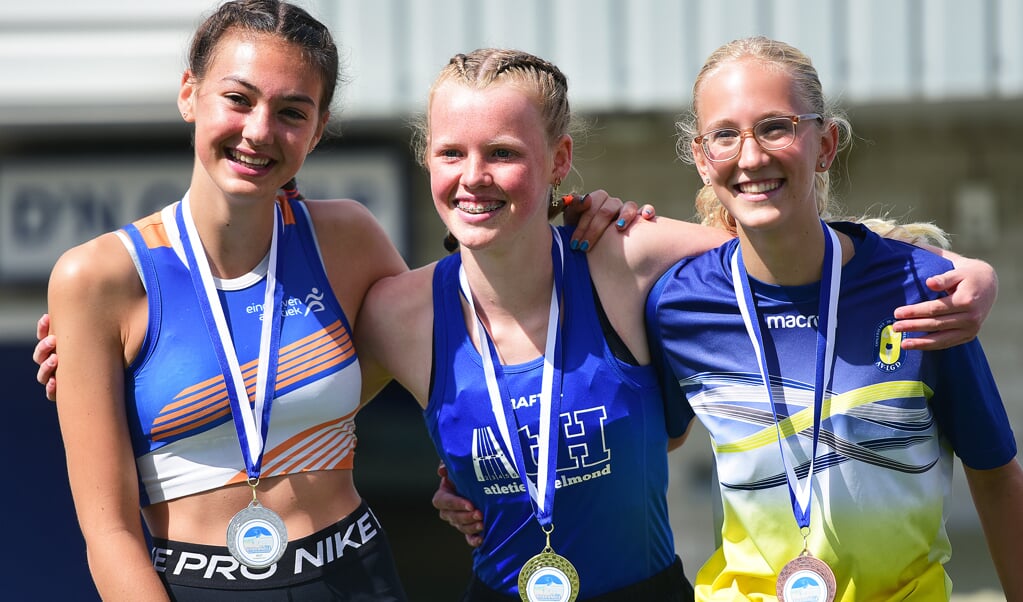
887,347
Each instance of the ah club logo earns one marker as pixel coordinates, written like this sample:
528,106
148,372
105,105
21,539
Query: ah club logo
887,347
583,454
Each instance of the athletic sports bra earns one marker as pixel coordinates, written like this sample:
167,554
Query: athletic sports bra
182,431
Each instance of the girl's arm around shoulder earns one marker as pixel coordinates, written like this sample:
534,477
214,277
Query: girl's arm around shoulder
650,247
624,268
356,251
99,315
356,254
998,496
395,332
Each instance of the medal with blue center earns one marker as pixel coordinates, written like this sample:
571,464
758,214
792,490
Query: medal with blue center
256,535
546,577
804,578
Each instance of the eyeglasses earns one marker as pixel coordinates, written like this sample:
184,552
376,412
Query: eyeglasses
772,134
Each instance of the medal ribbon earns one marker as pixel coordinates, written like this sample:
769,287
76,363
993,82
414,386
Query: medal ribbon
251,419
542,493
831,277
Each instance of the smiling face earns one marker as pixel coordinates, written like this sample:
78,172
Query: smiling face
490,162
762,190
257,114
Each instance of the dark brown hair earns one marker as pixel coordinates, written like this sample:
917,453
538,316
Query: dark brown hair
281,19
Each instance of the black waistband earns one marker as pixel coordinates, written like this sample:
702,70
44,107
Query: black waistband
304,559
670,585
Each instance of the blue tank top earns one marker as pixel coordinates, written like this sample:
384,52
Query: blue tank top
610,506
182,432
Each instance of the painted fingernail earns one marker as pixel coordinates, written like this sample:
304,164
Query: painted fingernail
585,245
620,223
574,244
567,199
647,212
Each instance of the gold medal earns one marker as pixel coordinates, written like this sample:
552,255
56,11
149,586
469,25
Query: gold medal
806,579
548,577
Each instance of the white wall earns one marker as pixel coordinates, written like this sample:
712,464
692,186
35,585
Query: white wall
119,60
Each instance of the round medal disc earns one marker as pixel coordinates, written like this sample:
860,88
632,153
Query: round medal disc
806,579
256,536
548,577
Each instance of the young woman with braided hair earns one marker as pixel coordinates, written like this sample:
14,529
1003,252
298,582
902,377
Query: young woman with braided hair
229,423
539,394
515,317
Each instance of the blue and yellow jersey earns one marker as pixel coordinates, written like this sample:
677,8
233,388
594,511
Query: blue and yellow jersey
890,422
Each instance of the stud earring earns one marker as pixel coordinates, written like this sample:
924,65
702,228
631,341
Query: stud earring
824,164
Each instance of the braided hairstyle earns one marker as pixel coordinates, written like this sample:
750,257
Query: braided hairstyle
484,67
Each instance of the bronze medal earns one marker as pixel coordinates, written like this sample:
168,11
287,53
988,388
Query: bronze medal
806,579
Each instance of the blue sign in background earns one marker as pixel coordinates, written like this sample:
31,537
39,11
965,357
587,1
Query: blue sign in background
45,557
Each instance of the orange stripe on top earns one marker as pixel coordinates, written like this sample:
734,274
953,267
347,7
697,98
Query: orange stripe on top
153,231
330,348
291,450
207,389
207,401
213,414
192,408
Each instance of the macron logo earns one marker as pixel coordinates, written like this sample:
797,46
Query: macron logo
791,321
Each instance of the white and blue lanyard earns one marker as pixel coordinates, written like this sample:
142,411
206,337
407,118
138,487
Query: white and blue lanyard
831,278
251,421
542,493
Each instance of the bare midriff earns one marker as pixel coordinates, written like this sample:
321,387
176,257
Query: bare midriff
307,502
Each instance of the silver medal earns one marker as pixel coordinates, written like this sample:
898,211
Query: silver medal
256,536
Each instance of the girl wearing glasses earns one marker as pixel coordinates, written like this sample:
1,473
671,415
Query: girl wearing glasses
833,440
496,143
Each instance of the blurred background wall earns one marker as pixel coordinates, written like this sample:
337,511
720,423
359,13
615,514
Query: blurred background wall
90,138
